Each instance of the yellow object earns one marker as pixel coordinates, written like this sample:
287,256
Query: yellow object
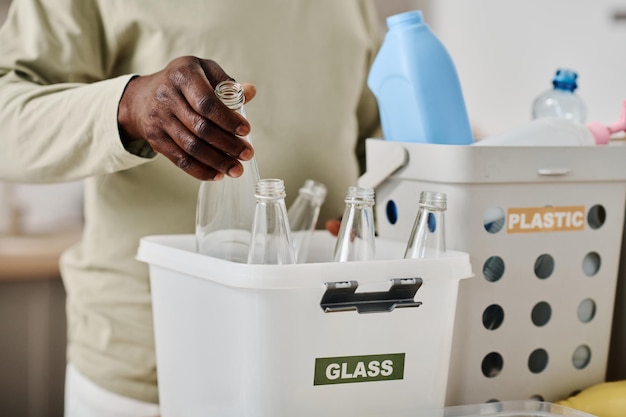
607,399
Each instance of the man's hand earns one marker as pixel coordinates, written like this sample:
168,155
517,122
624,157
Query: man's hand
176,112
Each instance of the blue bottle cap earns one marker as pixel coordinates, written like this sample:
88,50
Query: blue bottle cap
413,17
565,79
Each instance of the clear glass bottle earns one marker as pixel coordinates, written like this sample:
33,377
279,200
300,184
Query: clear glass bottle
271,237
355,241
303,215
225,208
428,237
561,101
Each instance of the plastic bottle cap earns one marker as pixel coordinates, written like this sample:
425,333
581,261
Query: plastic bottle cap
565,79
405,19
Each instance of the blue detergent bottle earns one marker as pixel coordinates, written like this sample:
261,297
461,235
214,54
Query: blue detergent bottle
417,87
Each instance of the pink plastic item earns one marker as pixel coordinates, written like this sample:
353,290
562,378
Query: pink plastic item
602,134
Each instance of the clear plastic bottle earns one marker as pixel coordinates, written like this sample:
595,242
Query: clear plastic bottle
225,208
303,215
271,238
355,241
428,237
417,87
561,101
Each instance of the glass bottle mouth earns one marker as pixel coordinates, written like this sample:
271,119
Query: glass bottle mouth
314,189
230,93
360,195
433,200
270,188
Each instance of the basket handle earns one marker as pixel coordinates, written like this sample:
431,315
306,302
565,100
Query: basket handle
396,157
342,296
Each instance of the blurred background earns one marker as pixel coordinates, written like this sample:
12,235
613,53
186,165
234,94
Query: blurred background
506,53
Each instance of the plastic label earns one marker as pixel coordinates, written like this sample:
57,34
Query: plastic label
367,368
545,219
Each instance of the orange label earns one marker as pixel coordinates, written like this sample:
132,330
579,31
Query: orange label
545,219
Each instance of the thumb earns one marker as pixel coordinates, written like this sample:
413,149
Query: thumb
249,91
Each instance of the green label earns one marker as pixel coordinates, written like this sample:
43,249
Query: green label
367,368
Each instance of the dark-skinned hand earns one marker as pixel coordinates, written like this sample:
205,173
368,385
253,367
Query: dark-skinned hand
176,112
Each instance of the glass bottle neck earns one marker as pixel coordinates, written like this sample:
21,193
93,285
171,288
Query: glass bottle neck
270,189
231,94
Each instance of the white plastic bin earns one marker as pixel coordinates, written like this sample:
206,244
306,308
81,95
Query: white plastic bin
543,227
528,408
316,339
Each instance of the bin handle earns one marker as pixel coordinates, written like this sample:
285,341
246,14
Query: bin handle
553,172
342,296
395,157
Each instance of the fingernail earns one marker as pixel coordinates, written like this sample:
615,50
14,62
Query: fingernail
235,171
242,130
246,154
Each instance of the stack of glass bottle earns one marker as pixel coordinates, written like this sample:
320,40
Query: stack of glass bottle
245,219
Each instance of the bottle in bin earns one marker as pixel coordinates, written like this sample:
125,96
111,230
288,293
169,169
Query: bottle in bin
554,131
428,238
303,215
225,208
270,242
417,87
561,101
355,241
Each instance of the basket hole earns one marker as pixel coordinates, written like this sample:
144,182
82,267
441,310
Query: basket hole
544,266
492,365
392,211
493,219
537,397
538,361
541,314
581,357
596,216
493,400
493,268
493,316
591,264
586,310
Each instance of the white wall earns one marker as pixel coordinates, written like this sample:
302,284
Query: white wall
506,52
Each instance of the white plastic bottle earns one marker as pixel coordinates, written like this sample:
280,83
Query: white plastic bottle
552,131
561,101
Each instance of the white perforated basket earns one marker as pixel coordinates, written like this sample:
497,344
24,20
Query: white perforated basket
543,227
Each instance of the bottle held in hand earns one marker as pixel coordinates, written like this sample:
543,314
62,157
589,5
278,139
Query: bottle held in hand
225,208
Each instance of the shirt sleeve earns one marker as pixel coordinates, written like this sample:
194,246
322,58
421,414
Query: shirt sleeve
58,117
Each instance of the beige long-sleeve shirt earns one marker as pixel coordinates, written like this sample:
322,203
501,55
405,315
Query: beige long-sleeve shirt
63,67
